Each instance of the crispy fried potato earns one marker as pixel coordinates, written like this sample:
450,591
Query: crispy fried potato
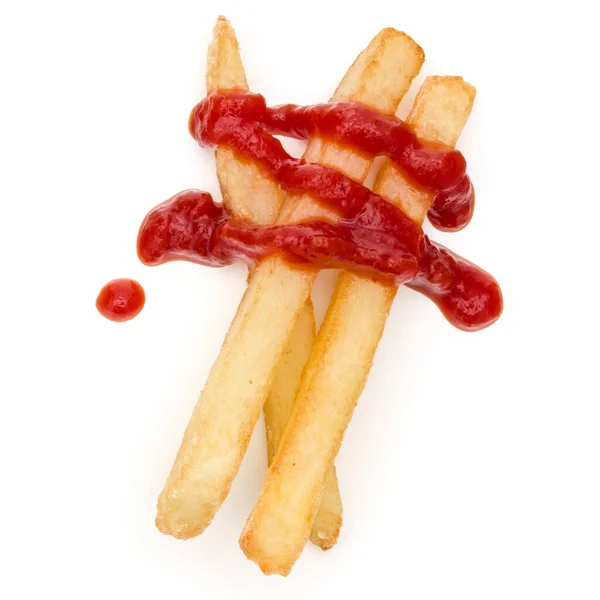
286,379
249,195
326,526
246,193
224,67
337,370
220,427
264,540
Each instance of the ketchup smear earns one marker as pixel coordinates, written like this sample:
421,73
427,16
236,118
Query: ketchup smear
372,236
121,299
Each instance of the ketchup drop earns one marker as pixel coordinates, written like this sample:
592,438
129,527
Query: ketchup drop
121,300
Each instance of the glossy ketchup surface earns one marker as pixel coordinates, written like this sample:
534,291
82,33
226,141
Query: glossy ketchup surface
190,226
469,297
371,236
220,118
121,300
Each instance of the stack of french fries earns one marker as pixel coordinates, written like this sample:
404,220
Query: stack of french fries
272,359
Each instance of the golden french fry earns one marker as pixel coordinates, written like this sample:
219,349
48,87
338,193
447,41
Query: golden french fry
220,427
246,192
286,379
326,526
249,195
336,372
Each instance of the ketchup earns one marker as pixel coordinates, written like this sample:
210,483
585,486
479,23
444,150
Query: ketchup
469,297
190,226
371,236
220,118
121,300
374,240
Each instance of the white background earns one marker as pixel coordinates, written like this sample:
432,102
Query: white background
471,469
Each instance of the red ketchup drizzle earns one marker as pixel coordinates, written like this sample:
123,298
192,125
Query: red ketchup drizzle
121,300
469,297
437,168
190,226
372,235
348,123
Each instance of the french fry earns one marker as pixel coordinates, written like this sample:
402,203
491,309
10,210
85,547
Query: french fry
222,421
246,193
326,526
336,372
249,195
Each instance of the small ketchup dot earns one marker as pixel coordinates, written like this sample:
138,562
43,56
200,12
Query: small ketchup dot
121,300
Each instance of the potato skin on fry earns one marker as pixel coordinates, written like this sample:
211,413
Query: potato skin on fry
341,358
